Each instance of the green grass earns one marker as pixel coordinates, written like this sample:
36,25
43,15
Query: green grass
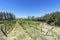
30,30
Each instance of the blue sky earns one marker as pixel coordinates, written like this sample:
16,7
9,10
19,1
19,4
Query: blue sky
25,8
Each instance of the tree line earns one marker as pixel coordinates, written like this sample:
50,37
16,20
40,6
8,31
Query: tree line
51,18
6,16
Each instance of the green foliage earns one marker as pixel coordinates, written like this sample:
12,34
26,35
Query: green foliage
6,16
52,18
7,26
31,18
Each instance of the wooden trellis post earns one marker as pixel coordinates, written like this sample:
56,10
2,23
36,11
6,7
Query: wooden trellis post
1,26
50,30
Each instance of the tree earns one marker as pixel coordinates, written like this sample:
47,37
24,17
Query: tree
6,16
53,18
